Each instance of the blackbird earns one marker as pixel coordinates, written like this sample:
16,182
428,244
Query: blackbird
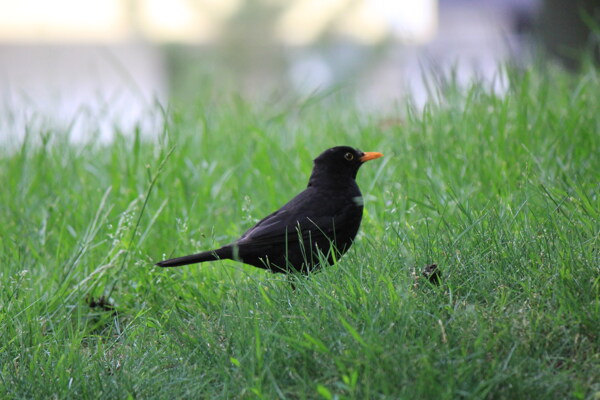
317,225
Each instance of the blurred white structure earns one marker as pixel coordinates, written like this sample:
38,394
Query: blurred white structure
81,63
91,91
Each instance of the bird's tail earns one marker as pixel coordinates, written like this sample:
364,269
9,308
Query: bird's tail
212,255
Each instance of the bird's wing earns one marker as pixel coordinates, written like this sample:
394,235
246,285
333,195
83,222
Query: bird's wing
306,214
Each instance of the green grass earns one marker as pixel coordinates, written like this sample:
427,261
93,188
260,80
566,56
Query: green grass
502,192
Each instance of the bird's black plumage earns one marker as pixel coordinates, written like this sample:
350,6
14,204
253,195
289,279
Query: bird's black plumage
318,224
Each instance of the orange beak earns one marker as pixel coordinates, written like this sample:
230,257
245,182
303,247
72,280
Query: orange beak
370,155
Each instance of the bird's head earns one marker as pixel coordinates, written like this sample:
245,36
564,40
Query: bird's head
341,162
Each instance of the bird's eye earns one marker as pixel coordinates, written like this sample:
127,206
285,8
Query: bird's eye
349,156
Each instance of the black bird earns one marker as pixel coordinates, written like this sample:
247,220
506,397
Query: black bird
318,224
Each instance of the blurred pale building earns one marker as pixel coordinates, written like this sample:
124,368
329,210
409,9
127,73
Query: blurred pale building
105,60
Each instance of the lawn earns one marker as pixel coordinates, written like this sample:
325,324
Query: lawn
500,191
